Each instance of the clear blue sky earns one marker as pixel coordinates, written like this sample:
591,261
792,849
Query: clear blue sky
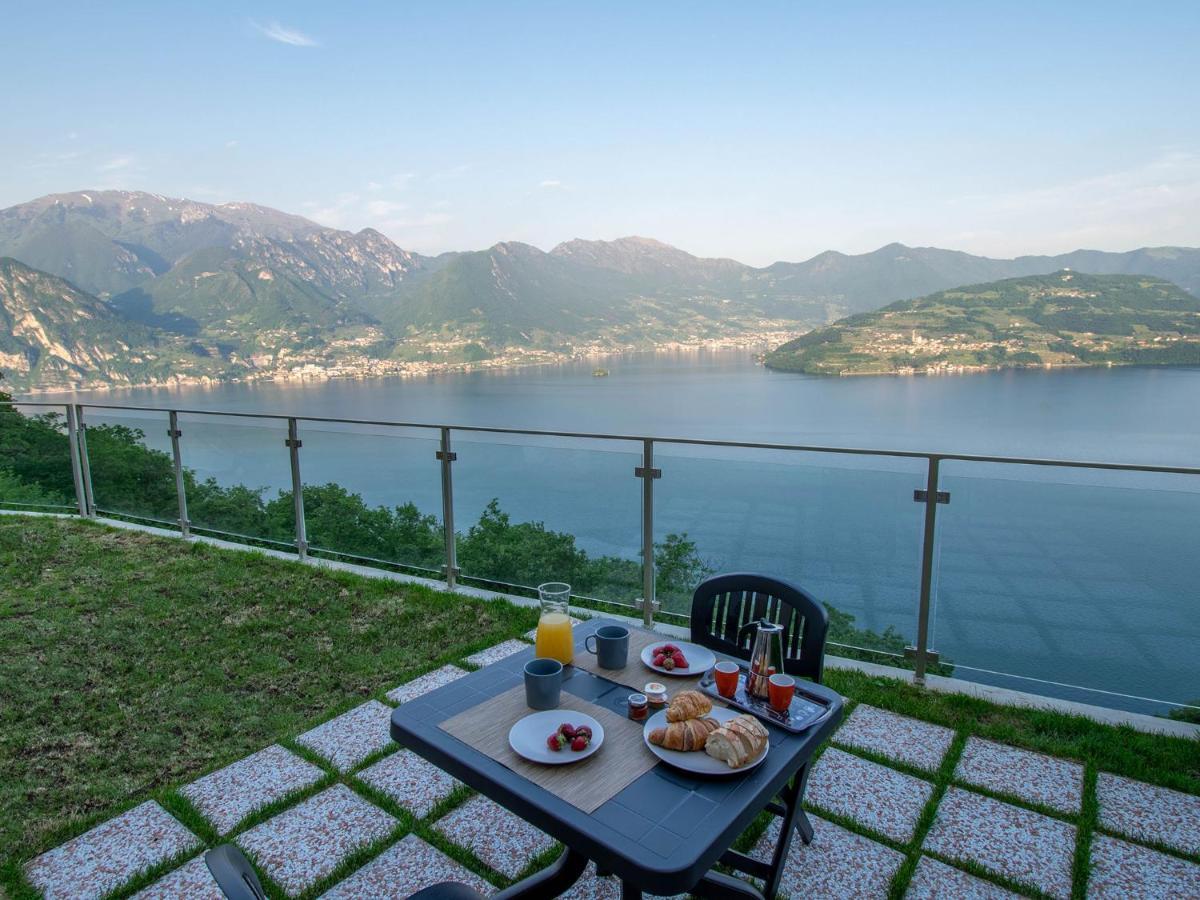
760,131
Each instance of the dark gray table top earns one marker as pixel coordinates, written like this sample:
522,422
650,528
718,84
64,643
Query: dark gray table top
663,831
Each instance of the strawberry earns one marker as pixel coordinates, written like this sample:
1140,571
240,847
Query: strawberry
659,660
580,743
552,742
669,663
566,730
680,662
583,731
669,649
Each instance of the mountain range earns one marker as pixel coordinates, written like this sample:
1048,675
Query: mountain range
240,290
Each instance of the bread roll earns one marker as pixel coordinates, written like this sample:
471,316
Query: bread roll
686,736
688,705
738,741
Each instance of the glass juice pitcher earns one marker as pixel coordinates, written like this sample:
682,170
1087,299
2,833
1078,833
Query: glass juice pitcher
554,638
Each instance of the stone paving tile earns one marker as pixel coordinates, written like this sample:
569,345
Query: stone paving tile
1124,871
934,880
1033,777
423,684
302,845
227,796
112,853
503,841
414,783
190,882
498,652
920,744
1025,846
351,737
591,886
1149,813
874,796
402,870
838,863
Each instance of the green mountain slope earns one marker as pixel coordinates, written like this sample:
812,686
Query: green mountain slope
54,335
1068,318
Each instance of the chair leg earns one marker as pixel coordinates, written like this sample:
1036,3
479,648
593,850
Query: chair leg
793,796
547,884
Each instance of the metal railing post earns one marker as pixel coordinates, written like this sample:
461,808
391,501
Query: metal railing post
648,474
921,654
85,466
293,445
447,457
173,432
76,468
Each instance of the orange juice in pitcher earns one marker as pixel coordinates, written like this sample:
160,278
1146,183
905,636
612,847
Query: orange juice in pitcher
554,638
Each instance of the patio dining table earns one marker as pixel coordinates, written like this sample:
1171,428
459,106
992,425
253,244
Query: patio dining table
662,832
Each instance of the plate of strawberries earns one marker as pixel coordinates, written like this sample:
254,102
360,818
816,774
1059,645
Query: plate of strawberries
678,658
556,737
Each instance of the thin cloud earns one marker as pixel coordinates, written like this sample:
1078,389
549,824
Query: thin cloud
550,184
231,144
383,208
283,35
116,164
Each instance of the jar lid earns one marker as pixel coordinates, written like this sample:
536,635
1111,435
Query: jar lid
655,687
637,699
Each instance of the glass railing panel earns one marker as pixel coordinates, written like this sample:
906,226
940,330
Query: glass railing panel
844,528
373,493
529,509
238,477
129,455
1052,576
35,461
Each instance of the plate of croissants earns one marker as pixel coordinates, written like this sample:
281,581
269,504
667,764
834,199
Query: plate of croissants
693,735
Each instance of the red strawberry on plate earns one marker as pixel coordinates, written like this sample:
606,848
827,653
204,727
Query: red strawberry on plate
669,663
552,742
580,743
659,660
680,662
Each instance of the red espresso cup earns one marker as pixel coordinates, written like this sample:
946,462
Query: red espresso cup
726,676
780,690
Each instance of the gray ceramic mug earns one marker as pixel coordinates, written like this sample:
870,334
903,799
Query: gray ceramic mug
543,683
611,647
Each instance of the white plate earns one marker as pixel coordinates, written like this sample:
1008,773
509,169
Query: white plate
528,736
700,659
698,761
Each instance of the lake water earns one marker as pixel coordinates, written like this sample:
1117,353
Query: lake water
1081,577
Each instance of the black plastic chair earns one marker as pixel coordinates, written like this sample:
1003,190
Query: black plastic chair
724,604
236,879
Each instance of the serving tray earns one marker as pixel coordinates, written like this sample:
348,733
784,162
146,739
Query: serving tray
807,709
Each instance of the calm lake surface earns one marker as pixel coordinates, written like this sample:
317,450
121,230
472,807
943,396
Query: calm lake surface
1074,576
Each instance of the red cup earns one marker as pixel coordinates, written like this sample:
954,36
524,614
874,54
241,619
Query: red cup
726,676
780,690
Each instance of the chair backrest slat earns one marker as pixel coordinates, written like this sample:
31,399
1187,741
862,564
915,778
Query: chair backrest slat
723,604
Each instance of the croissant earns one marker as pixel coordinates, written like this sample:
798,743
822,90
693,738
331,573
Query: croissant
688,705
687,736
738,741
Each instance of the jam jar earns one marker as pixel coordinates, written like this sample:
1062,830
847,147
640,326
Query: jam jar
638,709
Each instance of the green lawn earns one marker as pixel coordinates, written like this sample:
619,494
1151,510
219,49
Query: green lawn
131,664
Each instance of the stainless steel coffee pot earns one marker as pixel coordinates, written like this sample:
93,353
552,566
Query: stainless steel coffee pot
766,655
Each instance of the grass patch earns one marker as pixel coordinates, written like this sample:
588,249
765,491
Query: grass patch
131,663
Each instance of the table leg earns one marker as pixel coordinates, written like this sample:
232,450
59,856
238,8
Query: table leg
547,884
793,796
717,886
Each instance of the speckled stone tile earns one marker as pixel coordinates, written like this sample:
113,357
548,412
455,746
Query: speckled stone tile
1032,777
189,882
874,796
423,684
302,845
531,636
227,796
353,736
494,654
112,853
1149,813
403,869
920,744
414,783
1025,846
934,880
503,841
1124,871
591,886
838,863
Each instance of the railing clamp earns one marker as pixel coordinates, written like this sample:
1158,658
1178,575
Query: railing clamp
640,603
447,571
922,496
932,657
640,472
297,443
446,457
174,433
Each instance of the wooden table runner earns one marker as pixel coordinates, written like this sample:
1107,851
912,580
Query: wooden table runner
587,784
635,674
